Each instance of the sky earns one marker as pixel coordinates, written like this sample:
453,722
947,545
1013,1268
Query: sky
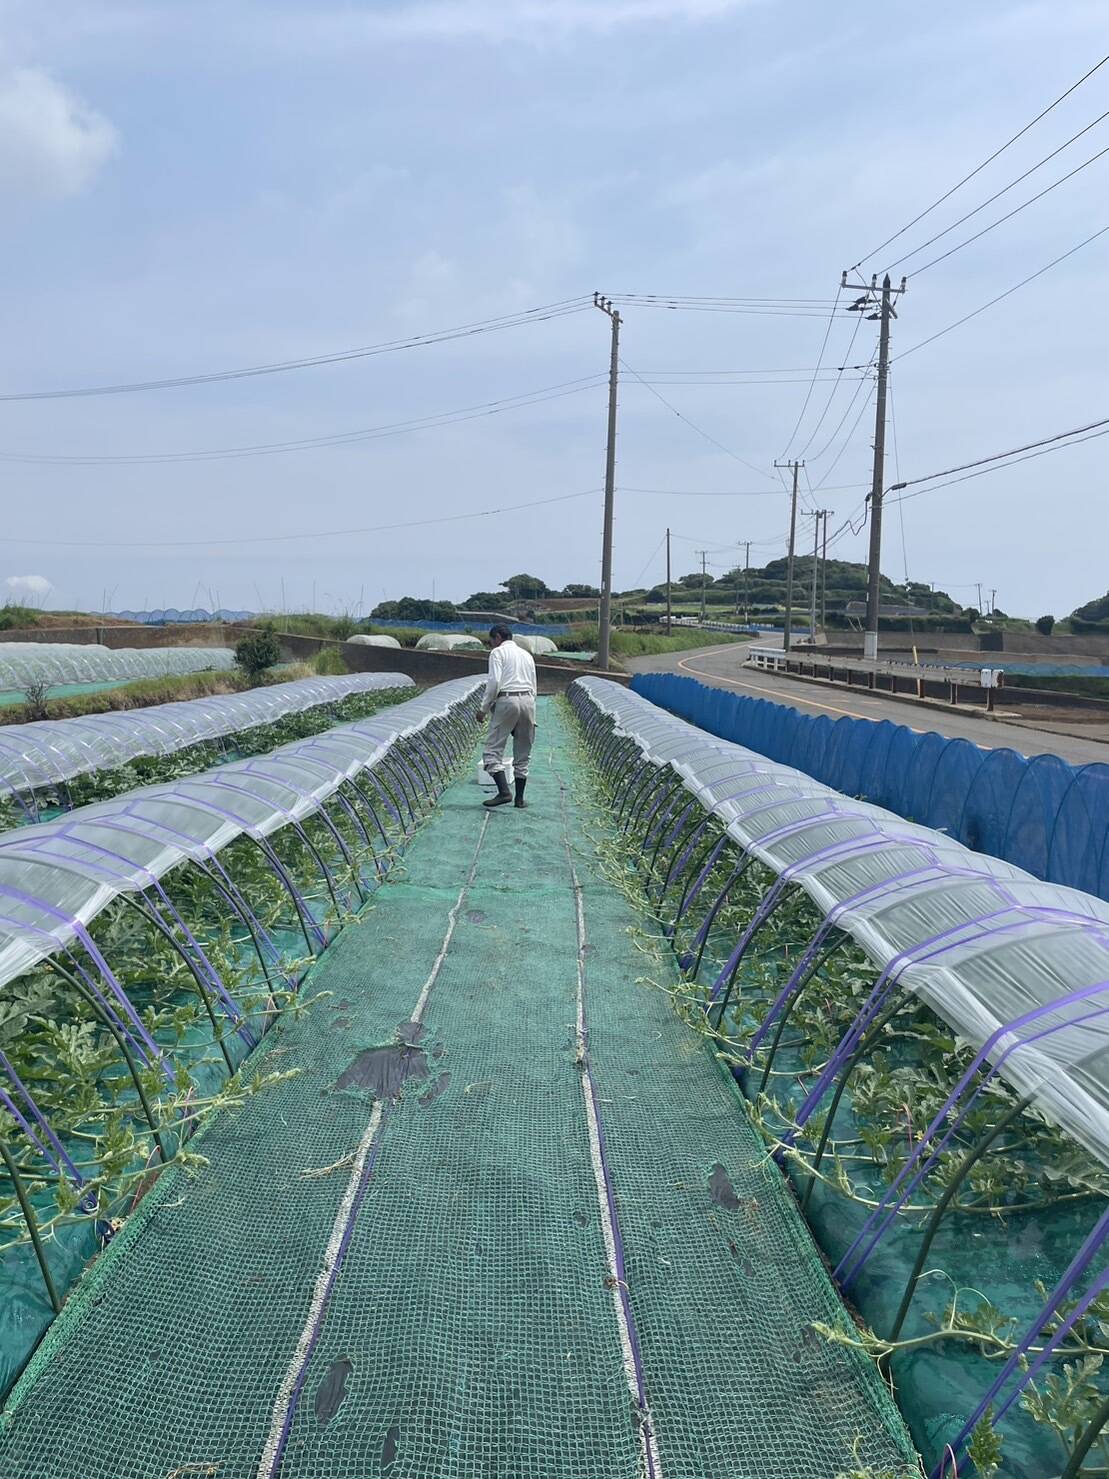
198,188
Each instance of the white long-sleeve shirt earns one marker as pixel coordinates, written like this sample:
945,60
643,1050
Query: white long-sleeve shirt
511,670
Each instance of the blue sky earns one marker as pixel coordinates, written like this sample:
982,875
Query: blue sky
199,187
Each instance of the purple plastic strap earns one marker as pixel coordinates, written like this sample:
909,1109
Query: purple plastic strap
147,1048
1075,1271
982,1056
925,1163
702,878
40,1120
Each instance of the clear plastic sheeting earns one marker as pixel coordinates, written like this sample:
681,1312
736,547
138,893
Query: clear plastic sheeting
449,642
1017,967
369,639
57,876
22,663
52,751
537,646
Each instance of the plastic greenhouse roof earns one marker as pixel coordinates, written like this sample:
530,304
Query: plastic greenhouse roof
1017,967
57,876
54,750
86,662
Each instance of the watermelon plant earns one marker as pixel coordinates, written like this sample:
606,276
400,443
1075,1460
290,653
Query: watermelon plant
776,1013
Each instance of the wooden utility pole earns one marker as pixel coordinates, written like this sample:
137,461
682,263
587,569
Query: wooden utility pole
746,573
824,576
704,579
883,311
669,606
605,634
787,631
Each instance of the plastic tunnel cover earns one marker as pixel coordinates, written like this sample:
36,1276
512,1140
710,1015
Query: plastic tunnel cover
55,877
1002,958
55,750
85,662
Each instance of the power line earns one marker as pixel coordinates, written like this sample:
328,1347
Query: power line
308,444
1009,214
812,383
980,167
562,309
1007,293
693,425
703,492
1058,436
716,298
483,513
1000,466
1004,191
835,386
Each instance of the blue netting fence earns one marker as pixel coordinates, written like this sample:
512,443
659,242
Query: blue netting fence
1042,814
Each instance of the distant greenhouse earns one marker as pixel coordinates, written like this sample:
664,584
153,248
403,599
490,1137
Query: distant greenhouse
53,663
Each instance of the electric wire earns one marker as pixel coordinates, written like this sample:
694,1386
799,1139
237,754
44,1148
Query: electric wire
1058,436
1000,466
308,444
1009,214
564,308
835,386
1001,296
848,438
693,425
980,167
483,513
812,383
702,492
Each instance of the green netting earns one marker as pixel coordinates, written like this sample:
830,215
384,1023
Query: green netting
471,1330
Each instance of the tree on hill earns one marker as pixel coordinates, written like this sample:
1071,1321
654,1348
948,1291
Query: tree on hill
484,601
1097,610
1044,625
413,608
525,587
580,590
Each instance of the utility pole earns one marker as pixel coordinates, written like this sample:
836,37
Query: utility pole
669,608
787,631
703,553
978,585
746,573
993,600
884,311
824,575
605,634
819,514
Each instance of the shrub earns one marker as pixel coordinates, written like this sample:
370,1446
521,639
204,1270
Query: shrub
1044,625
256,653
329,662
34,698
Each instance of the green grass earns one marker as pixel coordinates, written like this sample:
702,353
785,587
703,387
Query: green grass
1093,687
647,644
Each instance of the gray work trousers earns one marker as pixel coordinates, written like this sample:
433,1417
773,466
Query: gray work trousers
513,714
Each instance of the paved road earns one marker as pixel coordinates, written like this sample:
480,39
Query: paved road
722,667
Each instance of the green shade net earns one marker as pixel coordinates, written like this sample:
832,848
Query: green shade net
471,1329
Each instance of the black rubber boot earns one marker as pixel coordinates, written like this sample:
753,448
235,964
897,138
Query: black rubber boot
504,795
521,782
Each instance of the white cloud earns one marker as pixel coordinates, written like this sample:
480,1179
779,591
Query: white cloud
51,144
28,589
527,21
497,20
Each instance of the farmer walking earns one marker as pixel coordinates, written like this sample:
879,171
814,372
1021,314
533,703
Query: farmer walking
509,700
